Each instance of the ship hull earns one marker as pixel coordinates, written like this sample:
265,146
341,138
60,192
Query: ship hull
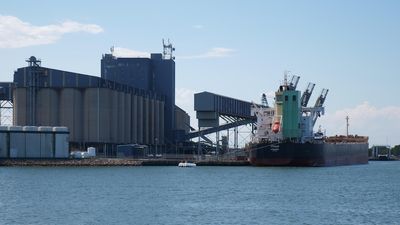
308,154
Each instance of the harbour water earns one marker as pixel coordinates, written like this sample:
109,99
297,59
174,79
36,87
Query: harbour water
362,194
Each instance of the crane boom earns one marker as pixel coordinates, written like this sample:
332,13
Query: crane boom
319,103
293,83
321,99
307,94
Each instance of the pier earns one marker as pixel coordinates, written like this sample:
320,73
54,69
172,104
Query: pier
109,162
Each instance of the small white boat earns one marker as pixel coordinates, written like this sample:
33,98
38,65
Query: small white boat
186,164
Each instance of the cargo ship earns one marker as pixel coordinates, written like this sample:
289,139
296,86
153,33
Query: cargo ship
284,134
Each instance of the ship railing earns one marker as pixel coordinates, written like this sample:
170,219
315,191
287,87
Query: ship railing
347,139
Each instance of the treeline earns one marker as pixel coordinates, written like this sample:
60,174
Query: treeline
384,150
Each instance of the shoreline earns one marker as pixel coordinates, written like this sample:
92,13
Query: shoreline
110,162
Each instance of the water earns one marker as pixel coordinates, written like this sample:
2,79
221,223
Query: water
365,194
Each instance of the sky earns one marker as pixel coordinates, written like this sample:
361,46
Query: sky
233,48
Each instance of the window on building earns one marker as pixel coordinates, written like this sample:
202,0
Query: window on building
286,98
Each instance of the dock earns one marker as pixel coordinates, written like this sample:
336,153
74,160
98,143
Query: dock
110,162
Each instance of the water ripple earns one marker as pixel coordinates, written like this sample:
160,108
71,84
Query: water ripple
365,194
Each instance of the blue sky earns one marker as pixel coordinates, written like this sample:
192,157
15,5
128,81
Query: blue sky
234,48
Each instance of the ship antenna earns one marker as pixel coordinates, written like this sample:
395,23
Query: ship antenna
285,77
168,50
347,126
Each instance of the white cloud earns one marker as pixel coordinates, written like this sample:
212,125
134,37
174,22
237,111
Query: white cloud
380,124
212,53
198,26
124,52
15,33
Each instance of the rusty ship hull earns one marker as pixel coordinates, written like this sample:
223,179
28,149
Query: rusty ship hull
308,154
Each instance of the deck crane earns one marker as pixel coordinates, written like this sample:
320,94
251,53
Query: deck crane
318,104
294,81
307,94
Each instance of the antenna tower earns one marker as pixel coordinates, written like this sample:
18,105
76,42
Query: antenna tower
168,50
264,101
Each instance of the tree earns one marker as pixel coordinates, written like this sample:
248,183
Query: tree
382,150
396,150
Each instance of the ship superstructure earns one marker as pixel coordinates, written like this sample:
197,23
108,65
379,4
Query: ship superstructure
290,119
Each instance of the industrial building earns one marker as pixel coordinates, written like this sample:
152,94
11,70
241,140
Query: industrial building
133,102
155,75
33,142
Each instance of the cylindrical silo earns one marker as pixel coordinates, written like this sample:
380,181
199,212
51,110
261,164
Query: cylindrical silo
46,142
105,115
151,121
91,114
162,119
17,142
71,112
157,121
61,142
4,150
140,119
146,120
121,118
127,116
47,107
20,109
114,116
134,119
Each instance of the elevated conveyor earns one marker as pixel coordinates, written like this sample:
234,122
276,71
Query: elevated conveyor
210,108
219,128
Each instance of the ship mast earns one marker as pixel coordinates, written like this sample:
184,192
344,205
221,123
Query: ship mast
347,126
285,83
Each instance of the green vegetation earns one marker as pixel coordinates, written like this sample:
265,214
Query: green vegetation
396,150
384,150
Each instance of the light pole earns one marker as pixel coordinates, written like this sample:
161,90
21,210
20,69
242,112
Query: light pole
156,140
